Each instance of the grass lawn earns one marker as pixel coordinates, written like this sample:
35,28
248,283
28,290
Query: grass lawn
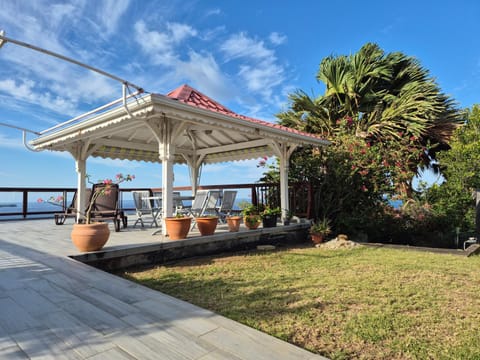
364,303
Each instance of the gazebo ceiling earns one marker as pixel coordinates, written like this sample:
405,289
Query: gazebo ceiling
203,128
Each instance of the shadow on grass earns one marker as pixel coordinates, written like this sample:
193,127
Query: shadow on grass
242,292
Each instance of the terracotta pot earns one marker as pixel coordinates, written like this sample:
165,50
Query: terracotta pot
207,225
90,237
317,238
233,223
177,228
252,221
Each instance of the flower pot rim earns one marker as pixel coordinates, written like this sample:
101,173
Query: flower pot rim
317,233
96,223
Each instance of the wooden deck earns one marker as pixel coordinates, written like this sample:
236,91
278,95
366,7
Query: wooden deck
53,307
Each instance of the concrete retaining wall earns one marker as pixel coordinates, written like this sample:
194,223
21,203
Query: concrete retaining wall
158,253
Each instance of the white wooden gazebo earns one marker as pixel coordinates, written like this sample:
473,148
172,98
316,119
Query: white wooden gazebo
186,127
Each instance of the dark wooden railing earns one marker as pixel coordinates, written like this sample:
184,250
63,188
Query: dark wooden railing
25,192
260,193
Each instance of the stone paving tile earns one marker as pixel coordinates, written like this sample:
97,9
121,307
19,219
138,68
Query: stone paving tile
44,344
52,307
15,318
83,339
13,353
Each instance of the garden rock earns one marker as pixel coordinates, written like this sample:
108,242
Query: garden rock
340,242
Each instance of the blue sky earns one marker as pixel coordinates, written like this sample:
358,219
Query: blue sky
248,55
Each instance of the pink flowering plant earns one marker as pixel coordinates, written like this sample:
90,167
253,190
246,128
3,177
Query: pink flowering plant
262,162
54,200
103,190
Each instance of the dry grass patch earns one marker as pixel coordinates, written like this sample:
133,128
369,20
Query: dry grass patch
364,303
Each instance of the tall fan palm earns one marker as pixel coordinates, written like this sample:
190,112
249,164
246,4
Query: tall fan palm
384,97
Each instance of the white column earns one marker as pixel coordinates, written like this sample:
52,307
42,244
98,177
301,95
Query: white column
283,151
167,186
284,204
193,178
195,165
167,156
80,167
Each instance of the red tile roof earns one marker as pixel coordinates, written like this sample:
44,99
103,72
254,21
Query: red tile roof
193,97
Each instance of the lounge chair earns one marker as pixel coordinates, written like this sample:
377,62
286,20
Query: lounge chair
226,207
146,208
210,207
177,202
197,204
70,211
105,207
204,203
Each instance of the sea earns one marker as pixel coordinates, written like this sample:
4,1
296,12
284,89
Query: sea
7,207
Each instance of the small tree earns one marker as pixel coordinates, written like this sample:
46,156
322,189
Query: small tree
460,166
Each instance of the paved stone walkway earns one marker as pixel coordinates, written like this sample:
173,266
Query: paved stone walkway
53,307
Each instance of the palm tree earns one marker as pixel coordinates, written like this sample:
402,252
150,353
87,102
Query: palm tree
381,98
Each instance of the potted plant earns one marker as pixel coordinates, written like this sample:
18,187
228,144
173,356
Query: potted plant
178,226
233,223
319,230
270,216
90,235
287,220
251,216
206,224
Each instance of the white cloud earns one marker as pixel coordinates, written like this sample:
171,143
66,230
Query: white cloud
241,46
161,46
110,13
247,170
62,98
25,91
59,12
89,88
213,12
212,34
205,73
174,52
260,69
151,41
12,143
180,32
276,38
263,77
201,70
43,80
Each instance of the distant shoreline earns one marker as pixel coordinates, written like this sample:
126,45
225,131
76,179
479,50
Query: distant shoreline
8,205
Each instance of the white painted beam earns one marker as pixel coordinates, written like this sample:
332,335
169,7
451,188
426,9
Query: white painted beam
238,146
